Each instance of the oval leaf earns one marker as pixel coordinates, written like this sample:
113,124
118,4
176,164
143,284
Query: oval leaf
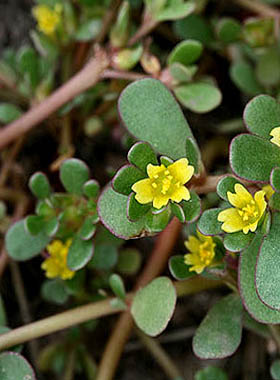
246,276
268,270
73,175
22,246
219,334
153,306
14,366
151,114
80,253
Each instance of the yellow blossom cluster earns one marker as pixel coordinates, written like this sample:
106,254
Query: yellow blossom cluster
202,252
246,213
164,184
56,264
47,18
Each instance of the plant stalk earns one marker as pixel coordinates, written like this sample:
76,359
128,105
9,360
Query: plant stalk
83,80
259,8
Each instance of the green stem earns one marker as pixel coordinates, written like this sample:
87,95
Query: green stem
88,312
70,365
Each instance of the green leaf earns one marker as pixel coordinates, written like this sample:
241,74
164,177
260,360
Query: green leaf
158,221
54,291
199,97
267,270
178,268
34,224
141,154
252,325
219,334
105,257
274,202
244,77
129,261
211,373
176,9
112,212
22,246
126,59
237,241
229,30
136,210
251,301
261,115
88,30
39,185
268,68
182,73
226,184
275,370
79,254
178,212
14,366
186,52
193,154
256,166
117,285
192,207
208,223
28,65
125,178
91,188
153,306
88,229
149,110
74,174
194,27
275,179
9,113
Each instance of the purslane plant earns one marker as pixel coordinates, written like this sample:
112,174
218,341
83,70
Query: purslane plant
235,244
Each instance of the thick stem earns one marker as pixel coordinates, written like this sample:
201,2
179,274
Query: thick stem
259,8
163,359
84,79
88,312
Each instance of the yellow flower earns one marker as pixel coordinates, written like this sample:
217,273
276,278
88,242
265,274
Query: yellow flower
56,264
246,213
275,133
202,252
47,18
268,191
164,184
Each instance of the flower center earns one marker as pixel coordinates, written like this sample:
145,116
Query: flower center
250,212
206,253
163,182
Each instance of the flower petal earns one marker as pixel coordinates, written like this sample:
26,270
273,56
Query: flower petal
155,170
241,198
181,170
232,220
192,244
143,190
160,201
260,201
276,136
181,193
